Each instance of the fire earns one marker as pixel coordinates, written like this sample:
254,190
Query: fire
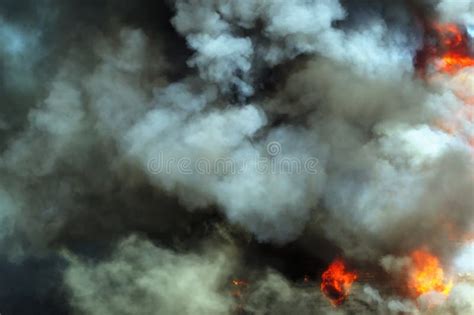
426,274
239,283
457,55
239,287
336,282
446,48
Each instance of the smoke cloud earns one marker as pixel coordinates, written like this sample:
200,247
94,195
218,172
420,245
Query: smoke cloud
151,153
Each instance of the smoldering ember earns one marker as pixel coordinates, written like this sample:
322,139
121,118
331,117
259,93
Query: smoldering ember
230,157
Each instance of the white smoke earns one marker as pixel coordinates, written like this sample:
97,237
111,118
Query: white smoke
461,11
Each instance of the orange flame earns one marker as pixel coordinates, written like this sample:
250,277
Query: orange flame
457,55
336,282
446,48
426,275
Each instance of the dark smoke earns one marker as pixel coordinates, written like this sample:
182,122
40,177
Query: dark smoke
96,93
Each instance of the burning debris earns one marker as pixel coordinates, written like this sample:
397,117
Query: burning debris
426,275
239,288
337,281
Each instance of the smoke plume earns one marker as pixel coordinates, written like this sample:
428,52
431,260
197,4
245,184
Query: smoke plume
204,157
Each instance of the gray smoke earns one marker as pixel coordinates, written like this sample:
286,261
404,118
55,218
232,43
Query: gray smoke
141,278
167,120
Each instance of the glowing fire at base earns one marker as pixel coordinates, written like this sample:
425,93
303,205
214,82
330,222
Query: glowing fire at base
239,287
336,282
426,275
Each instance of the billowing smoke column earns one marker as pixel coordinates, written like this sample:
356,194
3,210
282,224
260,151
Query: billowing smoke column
215,156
